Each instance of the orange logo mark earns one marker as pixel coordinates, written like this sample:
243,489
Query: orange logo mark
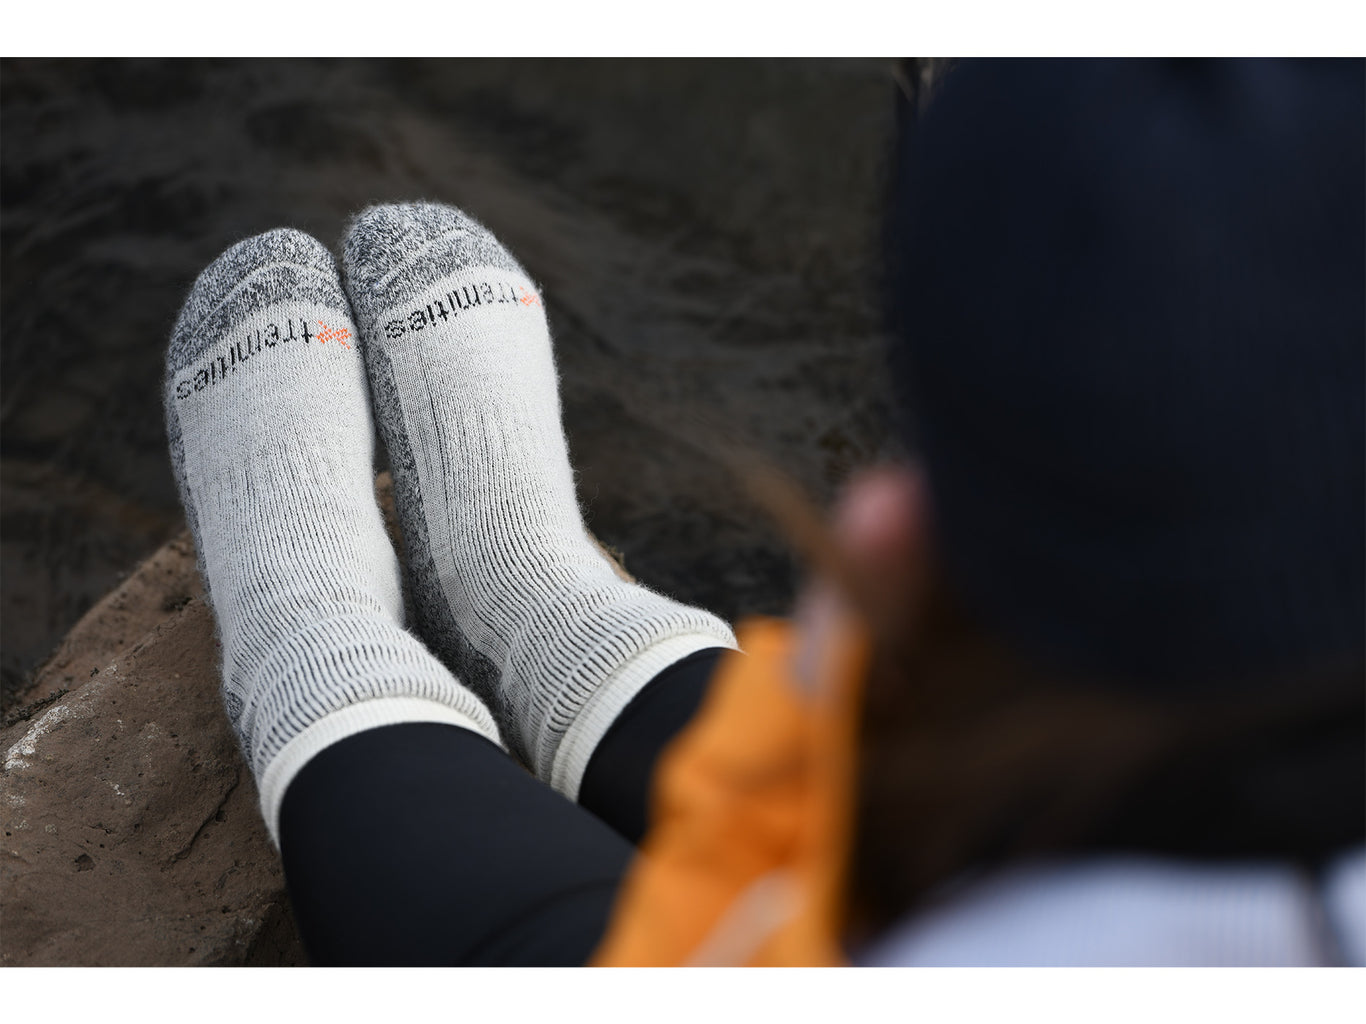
529,298
338,335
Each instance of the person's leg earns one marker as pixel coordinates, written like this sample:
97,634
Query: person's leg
617,784
270,433
407,834
509,588
427,845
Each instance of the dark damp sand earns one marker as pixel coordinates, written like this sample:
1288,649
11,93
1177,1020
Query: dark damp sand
705,232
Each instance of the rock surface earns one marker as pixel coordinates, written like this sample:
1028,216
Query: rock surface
130,824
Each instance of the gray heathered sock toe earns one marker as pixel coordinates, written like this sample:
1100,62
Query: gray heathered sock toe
301,270
508,586
267,412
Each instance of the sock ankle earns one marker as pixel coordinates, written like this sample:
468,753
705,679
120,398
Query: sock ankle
508,586
267,411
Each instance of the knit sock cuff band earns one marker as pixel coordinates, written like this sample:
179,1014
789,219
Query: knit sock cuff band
581,739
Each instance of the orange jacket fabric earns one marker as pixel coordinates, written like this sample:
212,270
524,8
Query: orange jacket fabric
744,862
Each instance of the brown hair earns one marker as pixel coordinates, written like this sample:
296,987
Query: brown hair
972,757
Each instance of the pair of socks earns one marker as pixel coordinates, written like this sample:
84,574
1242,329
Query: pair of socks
525,633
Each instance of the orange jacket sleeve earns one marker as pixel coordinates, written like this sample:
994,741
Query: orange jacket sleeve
751,814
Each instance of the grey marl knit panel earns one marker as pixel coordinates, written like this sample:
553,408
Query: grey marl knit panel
405,258
252,276
435,621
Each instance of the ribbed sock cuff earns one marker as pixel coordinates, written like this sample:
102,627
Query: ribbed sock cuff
609,700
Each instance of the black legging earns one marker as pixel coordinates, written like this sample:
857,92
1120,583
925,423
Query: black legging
424,844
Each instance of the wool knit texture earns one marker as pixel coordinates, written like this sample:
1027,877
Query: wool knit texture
271,444
508,586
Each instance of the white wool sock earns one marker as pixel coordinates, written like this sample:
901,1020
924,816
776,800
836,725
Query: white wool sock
507,584
269,422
